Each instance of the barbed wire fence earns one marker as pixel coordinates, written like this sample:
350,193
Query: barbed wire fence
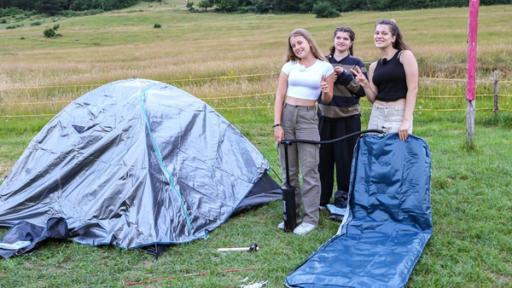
440,95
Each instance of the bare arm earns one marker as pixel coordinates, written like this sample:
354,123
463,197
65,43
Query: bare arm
369,89
411,76
282,87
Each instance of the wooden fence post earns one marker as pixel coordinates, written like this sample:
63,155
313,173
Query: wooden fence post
496,90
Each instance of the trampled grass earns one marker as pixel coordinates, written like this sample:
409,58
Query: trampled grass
471,195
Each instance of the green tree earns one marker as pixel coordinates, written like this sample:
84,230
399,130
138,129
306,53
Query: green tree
227,5
325,9
205,4
51,7
190,6
262,6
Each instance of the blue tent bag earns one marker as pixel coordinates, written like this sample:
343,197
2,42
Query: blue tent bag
389,221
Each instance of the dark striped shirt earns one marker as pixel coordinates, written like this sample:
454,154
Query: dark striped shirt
346,91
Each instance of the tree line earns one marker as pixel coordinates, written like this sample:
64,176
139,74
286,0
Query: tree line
307,6
331,7
52,7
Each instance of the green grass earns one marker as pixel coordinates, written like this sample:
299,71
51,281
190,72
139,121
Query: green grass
470,246
471,195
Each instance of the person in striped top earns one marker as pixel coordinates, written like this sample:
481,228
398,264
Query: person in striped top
340,117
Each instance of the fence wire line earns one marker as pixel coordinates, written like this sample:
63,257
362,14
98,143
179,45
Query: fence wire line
27,116
460,97
36,103
269,106
461,80
224,77
204,99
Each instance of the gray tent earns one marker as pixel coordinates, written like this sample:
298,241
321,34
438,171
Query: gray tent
135,163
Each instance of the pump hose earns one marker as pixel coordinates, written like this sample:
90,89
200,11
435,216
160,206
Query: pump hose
291,141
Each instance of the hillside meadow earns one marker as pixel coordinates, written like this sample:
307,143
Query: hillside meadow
231,61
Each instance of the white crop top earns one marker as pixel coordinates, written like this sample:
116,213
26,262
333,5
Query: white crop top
304,83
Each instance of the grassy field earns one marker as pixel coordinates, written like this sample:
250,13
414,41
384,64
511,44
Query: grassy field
230,61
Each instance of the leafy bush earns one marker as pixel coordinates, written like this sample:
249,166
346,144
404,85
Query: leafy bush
262,6
72,13
190,6
325,9
52,32
49,33
36,23
51,7
11,11
14,26
157,25
247,9
227,5
205,4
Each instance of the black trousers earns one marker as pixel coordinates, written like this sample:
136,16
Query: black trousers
339,154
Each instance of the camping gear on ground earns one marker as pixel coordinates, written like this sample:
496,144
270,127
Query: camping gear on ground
336,213
252,248
134,163
289,205
389,220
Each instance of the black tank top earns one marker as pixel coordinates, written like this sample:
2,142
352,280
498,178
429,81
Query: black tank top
389,78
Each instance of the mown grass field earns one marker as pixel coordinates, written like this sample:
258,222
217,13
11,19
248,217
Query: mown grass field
208,55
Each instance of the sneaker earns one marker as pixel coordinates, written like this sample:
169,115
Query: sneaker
340,199
322,207
303,229
280,226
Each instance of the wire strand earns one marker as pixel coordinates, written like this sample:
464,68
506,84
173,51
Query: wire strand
226,77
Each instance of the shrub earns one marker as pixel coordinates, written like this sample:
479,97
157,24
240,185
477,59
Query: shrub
262,6
190,6
11,11
247,9
227,5
49,33
52,32
324,9
14,26
72,13
205,4
36,23
157,25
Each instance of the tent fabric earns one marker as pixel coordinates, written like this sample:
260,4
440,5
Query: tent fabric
55,228
389,221
135,163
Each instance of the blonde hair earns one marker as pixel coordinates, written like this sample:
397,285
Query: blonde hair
290,56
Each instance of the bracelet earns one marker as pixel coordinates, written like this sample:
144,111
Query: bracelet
276,125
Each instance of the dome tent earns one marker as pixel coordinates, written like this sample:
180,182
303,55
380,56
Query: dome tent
135,163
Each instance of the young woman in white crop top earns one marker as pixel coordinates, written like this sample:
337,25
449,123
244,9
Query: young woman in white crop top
304,78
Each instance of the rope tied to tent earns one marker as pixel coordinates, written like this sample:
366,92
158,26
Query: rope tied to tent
161,163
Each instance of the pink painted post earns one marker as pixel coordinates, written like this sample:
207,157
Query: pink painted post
472,35
470,87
